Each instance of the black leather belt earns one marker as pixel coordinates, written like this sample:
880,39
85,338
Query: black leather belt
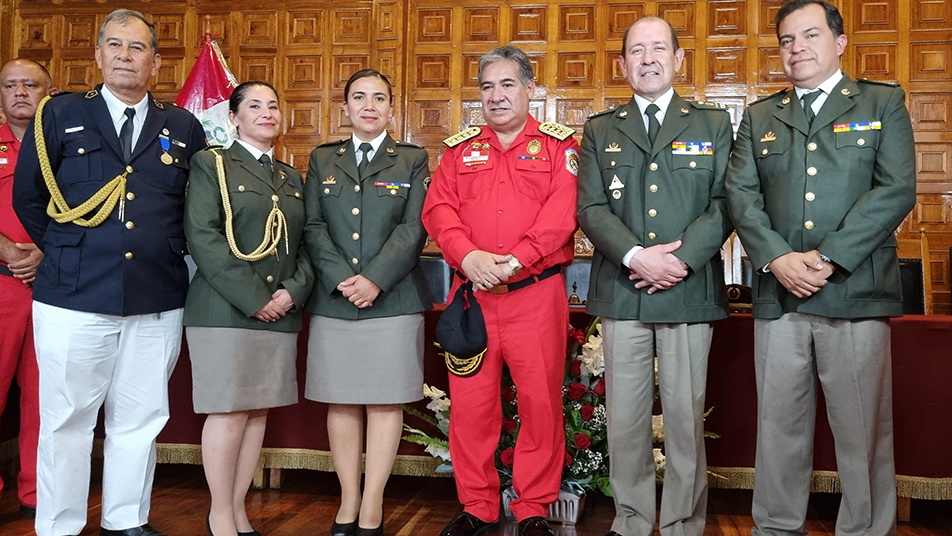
504,289
5,270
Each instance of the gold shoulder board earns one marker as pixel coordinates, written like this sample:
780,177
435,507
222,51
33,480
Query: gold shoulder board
556,130
462,136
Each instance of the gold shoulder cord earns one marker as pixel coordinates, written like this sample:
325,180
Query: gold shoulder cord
274,228
113,192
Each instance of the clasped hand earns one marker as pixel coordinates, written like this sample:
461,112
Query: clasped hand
802,274
486,269
657,268
281,302
24,268
359,290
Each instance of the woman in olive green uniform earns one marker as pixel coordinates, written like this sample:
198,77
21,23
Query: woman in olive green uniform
244,219
365,353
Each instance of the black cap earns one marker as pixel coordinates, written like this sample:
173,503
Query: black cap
461,333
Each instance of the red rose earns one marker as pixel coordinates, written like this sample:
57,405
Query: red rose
575,367
582,442
586,412
568,459
508,395
576,391
506,457
509,426
580,336
599,388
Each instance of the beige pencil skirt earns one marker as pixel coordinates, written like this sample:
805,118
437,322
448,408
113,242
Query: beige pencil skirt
370,361
241,369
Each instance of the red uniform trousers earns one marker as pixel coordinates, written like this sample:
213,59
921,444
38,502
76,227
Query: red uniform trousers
527,331
18,358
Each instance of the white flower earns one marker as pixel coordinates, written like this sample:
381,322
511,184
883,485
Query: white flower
657,429
593,358
438,451
438,401
658,461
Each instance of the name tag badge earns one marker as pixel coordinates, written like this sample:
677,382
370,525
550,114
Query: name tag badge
70,130
475,157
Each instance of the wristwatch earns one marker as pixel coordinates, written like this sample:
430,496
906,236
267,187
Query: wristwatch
514,265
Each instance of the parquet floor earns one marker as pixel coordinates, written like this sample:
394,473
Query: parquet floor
307,502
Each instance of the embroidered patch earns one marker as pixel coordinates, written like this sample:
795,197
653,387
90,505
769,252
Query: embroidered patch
571,161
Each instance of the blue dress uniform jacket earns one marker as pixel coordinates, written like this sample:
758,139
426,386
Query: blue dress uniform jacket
633,194
358,226
119,268
228,291
842,187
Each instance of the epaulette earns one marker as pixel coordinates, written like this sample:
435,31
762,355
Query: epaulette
877,82
768,97
283,162
213,147
556,130
603,112
91,94
462,136
333,142
708,105
408,144
158,104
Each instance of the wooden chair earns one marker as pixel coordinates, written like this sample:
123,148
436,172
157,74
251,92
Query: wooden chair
918,248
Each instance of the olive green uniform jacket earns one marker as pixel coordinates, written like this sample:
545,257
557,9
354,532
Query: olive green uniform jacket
792,187
227,291
366,227
633,194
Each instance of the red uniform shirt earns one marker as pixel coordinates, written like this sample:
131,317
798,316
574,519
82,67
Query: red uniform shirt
521,200
9,223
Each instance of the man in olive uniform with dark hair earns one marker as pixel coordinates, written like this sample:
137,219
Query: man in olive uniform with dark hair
821,176
651,199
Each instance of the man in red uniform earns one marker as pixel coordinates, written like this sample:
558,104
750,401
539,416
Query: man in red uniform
23,83
502,208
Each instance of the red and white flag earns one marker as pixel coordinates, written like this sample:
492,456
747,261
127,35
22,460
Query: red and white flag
206,93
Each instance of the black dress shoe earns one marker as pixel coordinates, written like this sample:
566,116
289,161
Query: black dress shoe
613,533
344,529
370,532
27,512
535,526
252,533
467,524
144,530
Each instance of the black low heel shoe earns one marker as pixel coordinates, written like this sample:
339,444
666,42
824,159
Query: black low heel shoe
252,533
344,529
208,524
370,532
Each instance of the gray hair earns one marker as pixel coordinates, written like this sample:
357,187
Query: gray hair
122,16
510,53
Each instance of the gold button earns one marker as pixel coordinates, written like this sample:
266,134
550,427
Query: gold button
861,141
653,188
128,169
270,279
393,192
176,160
274,197
81,150
241,187
297,194
128,255
130,225
811,171
356,211
355,236
327,190
354,260
810,196
693,164
810,146
808,224
130,196
356,187
652,236
652,213
613,163
765,151
653,166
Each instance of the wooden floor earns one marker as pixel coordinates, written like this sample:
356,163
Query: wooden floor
415,506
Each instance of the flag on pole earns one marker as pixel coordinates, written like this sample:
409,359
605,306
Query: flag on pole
206,93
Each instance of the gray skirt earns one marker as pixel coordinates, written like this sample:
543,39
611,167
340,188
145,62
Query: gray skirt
241,369
370,361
